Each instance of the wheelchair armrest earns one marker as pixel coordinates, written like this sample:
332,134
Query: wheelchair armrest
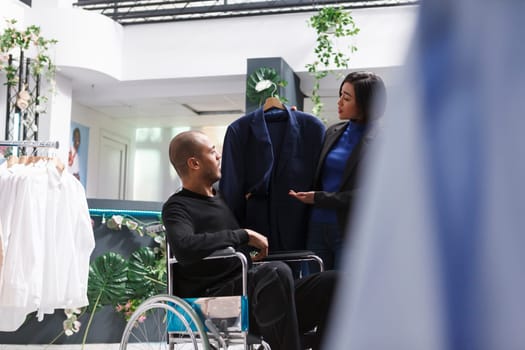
294,255
289,254
228,252
221,253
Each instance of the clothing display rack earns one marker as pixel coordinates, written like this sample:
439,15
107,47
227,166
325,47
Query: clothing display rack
29,143
47,144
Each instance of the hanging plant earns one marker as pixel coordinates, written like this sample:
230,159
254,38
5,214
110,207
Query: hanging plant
12,39
329,24
263,83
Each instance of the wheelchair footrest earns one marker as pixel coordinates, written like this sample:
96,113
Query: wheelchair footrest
228,314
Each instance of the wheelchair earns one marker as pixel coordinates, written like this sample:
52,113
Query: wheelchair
169,322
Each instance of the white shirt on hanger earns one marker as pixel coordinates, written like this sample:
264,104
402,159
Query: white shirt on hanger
47,240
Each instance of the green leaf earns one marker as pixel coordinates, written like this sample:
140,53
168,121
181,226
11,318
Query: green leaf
107,280
143,274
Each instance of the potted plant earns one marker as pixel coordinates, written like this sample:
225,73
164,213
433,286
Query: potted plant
330,23
263,83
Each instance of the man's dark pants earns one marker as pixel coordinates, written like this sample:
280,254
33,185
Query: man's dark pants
283,309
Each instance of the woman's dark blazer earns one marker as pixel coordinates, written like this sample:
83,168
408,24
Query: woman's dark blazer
341,201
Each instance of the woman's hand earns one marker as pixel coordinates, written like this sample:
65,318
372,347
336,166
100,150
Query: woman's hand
305,197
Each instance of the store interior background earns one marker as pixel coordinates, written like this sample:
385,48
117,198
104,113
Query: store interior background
137,86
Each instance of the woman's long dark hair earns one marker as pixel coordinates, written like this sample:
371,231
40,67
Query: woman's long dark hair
370,94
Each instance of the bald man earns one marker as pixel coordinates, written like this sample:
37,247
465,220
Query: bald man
198,222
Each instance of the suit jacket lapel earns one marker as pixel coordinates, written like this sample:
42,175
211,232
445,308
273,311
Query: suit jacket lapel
331,137
354,158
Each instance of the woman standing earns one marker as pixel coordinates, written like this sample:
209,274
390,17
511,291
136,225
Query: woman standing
361,102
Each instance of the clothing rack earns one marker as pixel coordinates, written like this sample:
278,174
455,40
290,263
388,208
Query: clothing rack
47,144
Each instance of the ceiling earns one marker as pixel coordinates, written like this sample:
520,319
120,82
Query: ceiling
216,100
128,12
177,102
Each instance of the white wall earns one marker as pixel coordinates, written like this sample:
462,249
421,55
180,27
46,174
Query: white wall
11,9
98,123
3,106
85,39
212,47
154,177
54,124
221,46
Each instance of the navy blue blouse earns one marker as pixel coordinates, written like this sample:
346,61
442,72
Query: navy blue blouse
334,165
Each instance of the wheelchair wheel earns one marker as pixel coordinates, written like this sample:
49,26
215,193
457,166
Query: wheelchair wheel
148,327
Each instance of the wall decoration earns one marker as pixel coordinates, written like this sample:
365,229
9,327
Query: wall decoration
78,152
25,58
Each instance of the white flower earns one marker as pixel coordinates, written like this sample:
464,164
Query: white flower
4,58
118,219
41,109
71,327
71,312
263,85
71,324
115,223
23,98
132,225
22,104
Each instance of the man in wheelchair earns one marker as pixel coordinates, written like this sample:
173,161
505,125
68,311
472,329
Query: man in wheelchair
198,222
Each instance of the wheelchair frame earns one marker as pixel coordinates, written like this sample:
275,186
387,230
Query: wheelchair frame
149,326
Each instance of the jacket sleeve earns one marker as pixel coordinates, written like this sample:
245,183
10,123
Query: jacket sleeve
188,246
232,180
334,200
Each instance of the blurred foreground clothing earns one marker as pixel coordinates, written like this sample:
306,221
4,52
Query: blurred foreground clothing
443,267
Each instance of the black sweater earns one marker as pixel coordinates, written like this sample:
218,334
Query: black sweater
196,226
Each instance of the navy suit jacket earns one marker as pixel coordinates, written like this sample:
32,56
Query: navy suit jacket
342,200
255,181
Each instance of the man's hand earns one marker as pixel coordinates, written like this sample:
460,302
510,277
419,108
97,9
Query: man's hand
258,241
305,197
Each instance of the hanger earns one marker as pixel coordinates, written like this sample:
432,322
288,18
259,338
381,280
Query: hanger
272,101
58,164
12,160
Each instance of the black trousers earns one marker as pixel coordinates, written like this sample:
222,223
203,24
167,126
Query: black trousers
283,309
